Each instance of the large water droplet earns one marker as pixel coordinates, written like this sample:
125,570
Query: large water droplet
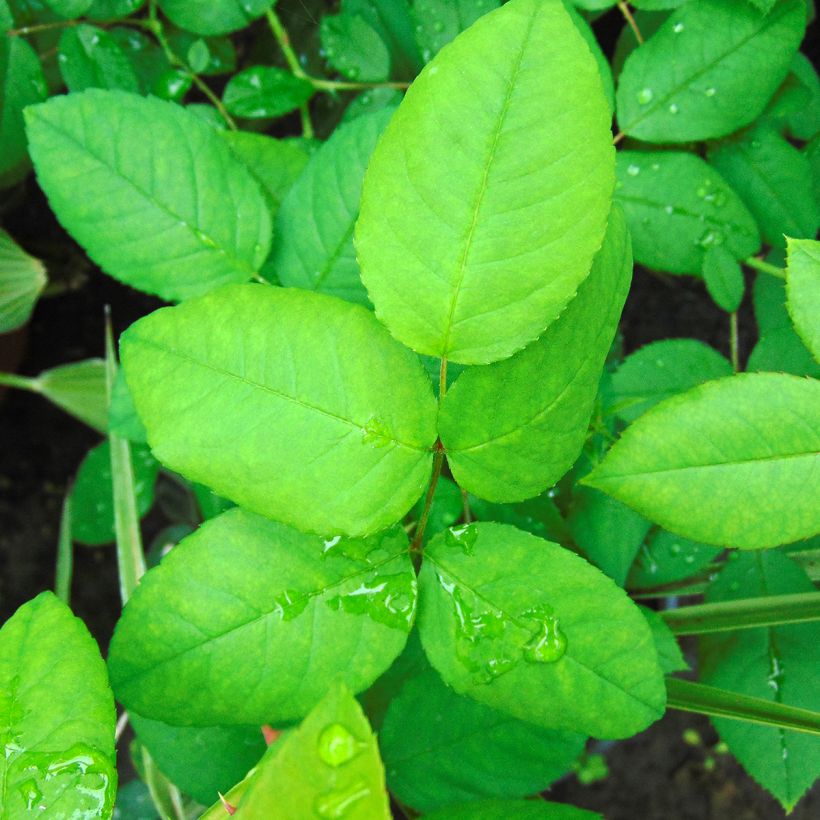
678,28
463,537
334,805
337,745
673,108
548,643
387,599
633,170
645,96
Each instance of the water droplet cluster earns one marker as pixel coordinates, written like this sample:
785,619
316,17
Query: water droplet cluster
337,746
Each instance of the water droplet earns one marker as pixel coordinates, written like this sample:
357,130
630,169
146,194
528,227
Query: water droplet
549,643
329,543
719,199
709,239
337,745
427,55
678,28
375,432
438,26
675,549
775,678
689,559
618,184
656,166
645,96
463,537
62,58
32,795
668,209
633,170
353,72
333,805
387,599
290,603
710,92
673,109
785,753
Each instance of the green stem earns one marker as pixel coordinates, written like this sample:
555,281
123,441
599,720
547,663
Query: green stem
764,267
466,512
281,35
709,700
746,613
307,126
36,29
733,341
65,554
20,382
627,13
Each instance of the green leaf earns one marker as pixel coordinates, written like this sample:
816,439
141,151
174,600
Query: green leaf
795,108
670,656
175,215
371,101
512,810
728,463
539,516
354,48
214,16
217,55
313,239
530,629
776,663
660,370
543,396
90,57
146,57
21,83
201,761
471,253
263,91
666,558
709,70
803,290
608,532
112,9
769,297
274,164
723,277
677,207
774,180
781,350
248,621
79,389
122,415
440,748
328,767
22,279
57,714
134,802
585,30
68,9
214,381
439,21
92,496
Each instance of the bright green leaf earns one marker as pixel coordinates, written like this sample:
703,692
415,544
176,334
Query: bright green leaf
513,810
89,57
471,253
677,207
774,180
439,21
666,558
781,350
803,290
585,30
723,277
440,748
22,279
214,16
539,516
328,767
176,214
354,48
728,463
776,663
248,621
531,629
79,389
92,495
57,716
542,397
660,370
122,415
264,91
670,656
215,383
313,239
709,70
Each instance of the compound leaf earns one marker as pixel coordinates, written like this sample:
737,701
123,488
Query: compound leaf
151,192
247,621
296,405
531,629
728,463
481,213
542,397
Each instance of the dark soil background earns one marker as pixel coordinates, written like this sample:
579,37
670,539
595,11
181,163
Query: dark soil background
653,776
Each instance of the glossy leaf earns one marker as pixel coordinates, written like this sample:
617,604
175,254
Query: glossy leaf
677,207
57,714
175,214
509,809
214,16
258,392
774,180
313,242
727,463
354,48
89,57
709,70
662,369
265,91
22,279
723,277
328,767
92,496
471,253
530,629
248,621
666,558
542,397
440,748
201,761
803,290
775,663
440,21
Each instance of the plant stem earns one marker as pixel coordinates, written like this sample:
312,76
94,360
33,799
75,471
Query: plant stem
627,13
20,382
65,554
733,343
467,513
618,137
36,29
765,267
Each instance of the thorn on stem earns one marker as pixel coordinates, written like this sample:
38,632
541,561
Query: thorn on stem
270,734
226,805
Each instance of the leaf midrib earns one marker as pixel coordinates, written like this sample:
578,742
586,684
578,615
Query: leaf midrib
679,211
